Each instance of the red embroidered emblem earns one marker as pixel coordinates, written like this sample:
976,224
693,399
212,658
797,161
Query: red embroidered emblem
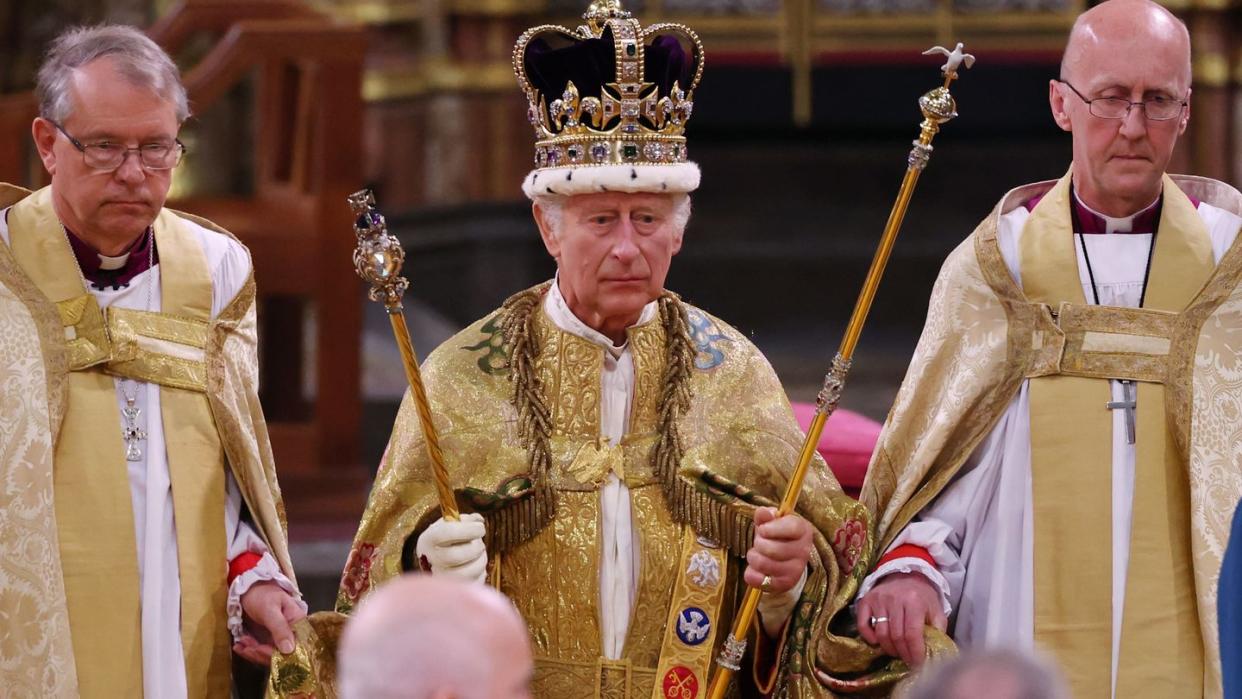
847,543
680,683
358,571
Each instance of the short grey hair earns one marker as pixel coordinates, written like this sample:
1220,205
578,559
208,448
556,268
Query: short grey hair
137,58
553,206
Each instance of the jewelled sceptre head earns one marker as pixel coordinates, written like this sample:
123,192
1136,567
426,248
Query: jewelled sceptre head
378,259
938,107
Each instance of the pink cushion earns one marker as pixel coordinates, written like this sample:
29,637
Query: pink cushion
846,443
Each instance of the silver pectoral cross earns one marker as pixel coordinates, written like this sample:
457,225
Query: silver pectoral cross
1129,403
131,432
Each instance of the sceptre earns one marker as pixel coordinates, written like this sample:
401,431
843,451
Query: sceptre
378,259
938,107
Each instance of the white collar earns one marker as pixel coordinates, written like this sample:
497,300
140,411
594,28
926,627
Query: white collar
111,263
1113,224
558,310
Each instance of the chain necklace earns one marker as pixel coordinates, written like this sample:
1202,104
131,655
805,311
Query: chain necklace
1095,291
1129,392
131,432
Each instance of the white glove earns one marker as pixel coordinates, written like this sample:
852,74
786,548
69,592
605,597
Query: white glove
455,548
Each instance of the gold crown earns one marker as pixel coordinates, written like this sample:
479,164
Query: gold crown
605,111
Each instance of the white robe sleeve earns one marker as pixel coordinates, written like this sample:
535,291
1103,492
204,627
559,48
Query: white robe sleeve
230,268
940,528
243,539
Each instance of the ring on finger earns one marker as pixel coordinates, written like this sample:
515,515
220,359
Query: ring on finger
877,620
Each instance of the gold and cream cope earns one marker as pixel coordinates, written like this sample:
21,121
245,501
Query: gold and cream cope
61,353
593,105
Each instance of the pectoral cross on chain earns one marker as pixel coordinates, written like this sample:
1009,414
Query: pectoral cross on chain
131,432
1129,403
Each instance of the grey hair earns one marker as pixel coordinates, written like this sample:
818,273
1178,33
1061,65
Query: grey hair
137,58
1025,676
553,206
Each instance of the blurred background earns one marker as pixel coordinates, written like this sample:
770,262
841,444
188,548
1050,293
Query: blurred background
801,127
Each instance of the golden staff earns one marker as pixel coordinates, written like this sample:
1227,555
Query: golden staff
938,107
378,260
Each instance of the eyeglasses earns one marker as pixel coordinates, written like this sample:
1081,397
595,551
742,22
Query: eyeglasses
106,156
1156,108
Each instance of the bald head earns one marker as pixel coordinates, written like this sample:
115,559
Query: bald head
427,637
1124,95
996,674
1126,26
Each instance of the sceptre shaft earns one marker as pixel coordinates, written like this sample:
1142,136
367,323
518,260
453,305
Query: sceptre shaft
938,107
378,260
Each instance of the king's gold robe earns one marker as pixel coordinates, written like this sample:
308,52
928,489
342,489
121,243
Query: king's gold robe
69,592
740,442
986,336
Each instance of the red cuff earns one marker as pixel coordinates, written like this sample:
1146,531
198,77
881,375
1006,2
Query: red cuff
243,563
907,551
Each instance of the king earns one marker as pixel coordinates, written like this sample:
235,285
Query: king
616,451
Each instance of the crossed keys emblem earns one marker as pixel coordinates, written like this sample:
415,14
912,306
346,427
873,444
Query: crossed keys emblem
680,683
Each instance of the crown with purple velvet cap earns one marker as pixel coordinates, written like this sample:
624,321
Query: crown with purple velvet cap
620,96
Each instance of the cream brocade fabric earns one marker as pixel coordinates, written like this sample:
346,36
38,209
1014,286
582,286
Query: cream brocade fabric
983,337
34,367
36,655
739,430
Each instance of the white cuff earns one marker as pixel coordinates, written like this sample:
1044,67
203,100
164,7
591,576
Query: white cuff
774,610
909,565
265,570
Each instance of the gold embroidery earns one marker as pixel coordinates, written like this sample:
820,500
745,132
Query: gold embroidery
693,618
660,549
647,349
33,394
554,580
734,455
983,336
589,467
163,370
45,256
310,670
605,679
570,373
160,326
86,337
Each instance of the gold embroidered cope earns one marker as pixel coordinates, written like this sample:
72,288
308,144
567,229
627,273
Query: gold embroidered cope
739,439
984,336
60,351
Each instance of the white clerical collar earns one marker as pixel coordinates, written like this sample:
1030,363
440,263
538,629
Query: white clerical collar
558,310
1113,224
111,263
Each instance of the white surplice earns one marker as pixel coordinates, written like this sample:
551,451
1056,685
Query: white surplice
619,559
979,529
159,579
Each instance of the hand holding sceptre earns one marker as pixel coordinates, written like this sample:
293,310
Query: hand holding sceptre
938,107
378,260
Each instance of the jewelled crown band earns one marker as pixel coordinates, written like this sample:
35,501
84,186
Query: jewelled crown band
609,103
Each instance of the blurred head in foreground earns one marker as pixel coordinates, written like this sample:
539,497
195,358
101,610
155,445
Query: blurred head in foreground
431,637
996,674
